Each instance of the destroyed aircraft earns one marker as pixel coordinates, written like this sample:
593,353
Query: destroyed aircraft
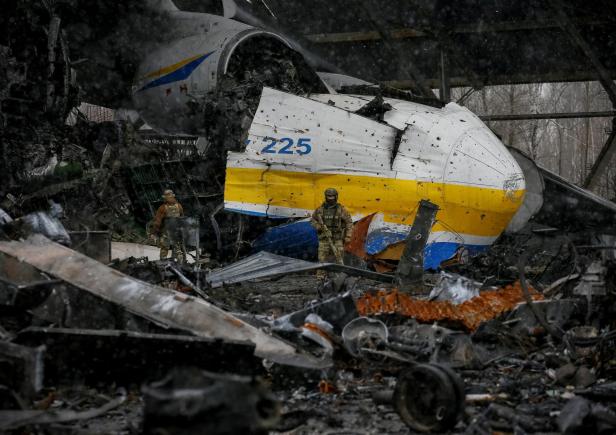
273,116
480,352
298,145
383,154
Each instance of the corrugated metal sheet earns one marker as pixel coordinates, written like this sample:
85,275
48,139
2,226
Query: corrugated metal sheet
265,264
470,314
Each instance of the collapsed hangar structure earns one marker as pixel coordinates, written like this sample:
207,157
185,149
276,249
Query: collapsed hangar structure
416,46
55,54
439,45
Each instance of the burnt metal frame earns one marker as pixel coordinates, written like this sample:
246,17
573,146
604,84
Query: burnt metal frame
609,148
410,269
553,115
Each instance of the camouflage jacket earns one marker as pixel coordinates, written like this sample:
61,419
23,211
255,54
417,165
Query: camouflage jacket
337,219
166,210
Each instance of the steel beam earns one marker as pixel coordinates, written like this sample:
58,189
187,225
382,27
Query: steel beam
411,266
409,33
570,29
404,63
445,87
458,81
557,115
609,149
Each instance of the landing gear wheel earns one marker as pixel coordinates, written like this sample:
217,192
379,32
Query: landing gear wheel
427,399
458,384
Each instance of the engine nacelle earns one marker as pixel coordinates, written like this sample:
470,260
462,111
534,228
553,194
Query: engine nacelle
189,69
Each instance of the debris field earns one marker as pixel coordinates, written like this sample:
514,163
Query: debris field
100,335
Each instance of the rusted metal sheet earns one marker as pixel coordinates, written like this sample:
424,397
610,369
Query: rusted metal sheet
160,305
470,314
357,245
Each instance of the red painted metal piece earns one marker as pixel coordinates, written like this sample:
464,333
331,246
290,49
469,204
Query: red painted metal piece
470,314
358,239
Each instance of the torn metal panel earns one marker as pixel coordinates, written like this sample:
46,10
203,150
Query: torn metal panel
469,314
411,265
162,306
264,265
296,239
313,144
125,357
357,245
455,288
43,223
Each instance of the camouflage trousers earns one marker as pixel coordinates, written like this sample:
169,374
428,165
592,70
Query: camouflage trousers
326,255
176,250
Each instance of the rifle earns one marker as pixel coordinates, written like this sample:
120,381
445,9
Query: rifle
328,235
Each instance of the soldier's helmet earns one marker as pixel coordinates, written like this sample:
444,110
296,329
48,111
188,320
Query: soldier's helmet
168,194
331,192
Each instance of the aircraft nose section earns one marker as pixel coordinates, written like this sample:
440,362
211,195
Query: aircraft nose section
479,159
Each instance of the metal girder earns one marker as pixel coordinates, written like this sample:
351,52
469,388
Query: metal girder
570,29
404,64
556,115
408,33
445,86
609,149
458,81
411,266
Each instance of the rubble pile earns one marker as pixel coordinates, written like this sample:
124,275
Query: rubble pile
263,346
519,338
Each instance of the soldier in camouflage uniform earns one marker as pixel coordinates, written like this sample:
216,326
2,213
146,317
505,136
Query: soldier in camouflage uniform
334,228
170,209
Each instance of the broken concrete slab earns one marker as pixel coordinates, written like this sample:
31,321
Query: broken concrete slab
162,306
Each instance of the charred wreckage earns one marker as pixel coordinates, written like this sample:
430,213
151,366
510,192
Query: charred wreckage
473,297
